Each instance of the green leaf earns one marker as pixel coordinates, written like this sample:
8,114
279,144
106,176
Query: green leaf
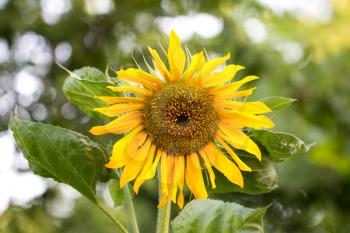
61,154
275,147
212,216
116,193
279,146
83,85
277,102
262,179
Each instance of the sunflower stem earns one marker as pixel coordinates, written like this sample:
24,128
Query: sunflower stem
130,205
164,217
115,220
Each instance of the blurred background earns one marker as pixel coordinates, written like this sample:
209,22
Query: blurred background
300,49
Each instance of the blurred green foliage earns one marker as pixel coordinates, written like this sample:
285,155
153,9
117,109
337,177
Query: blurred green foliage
314,192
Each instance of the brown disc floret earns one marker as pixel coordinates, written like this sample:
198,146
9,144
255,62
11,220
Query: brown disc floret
180,119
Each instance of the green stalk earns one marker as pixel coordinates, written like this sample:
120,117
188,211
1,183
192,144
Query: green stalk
131,208
164,217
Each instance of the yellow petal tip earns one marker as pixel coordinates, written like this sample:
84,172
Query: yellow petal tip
92,131
110,165
122,183
259,157
173,33
247,169
120,72
136,190
150,49
99,130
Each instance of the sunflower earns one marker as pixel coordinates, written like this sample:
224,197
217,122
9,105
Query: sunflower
184,118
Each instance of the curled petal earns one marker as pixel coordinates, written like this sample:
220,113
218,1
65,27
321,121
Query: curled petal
176,56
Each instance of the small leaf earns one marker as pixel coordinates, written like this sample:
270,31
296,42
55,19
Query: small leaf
262,179
83,85
212,216
116,193
61,154
277,102
279,146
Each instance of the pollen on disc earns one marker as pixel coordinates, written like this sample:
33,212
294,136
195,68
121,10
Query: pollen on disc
180,119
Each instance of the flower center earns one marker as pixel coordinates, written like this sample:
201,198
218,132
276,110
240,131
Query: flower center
180,119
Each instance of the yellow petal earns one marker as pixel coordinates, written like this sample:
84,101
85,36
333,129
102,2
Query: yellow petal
140,77
117,109
176,56
134,166
163,174
160,66
135,144
194,176
244,93
239,140
180,199
221,77
227,120
172,187
118,100
118,159
210,66
245,119
179,172
223,164
131,88
168,189
121,125
179,175
197,62
230,95
149,169
229,89
234,156
246,107
209,168
119,156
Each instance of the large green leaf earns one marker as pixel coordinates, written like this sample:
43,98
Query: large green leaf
262,179
279,146
83,85
212,216
277,102
61,154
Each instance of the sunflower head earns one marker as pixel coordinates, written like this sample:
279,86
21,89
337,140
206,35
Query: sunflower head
185,118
